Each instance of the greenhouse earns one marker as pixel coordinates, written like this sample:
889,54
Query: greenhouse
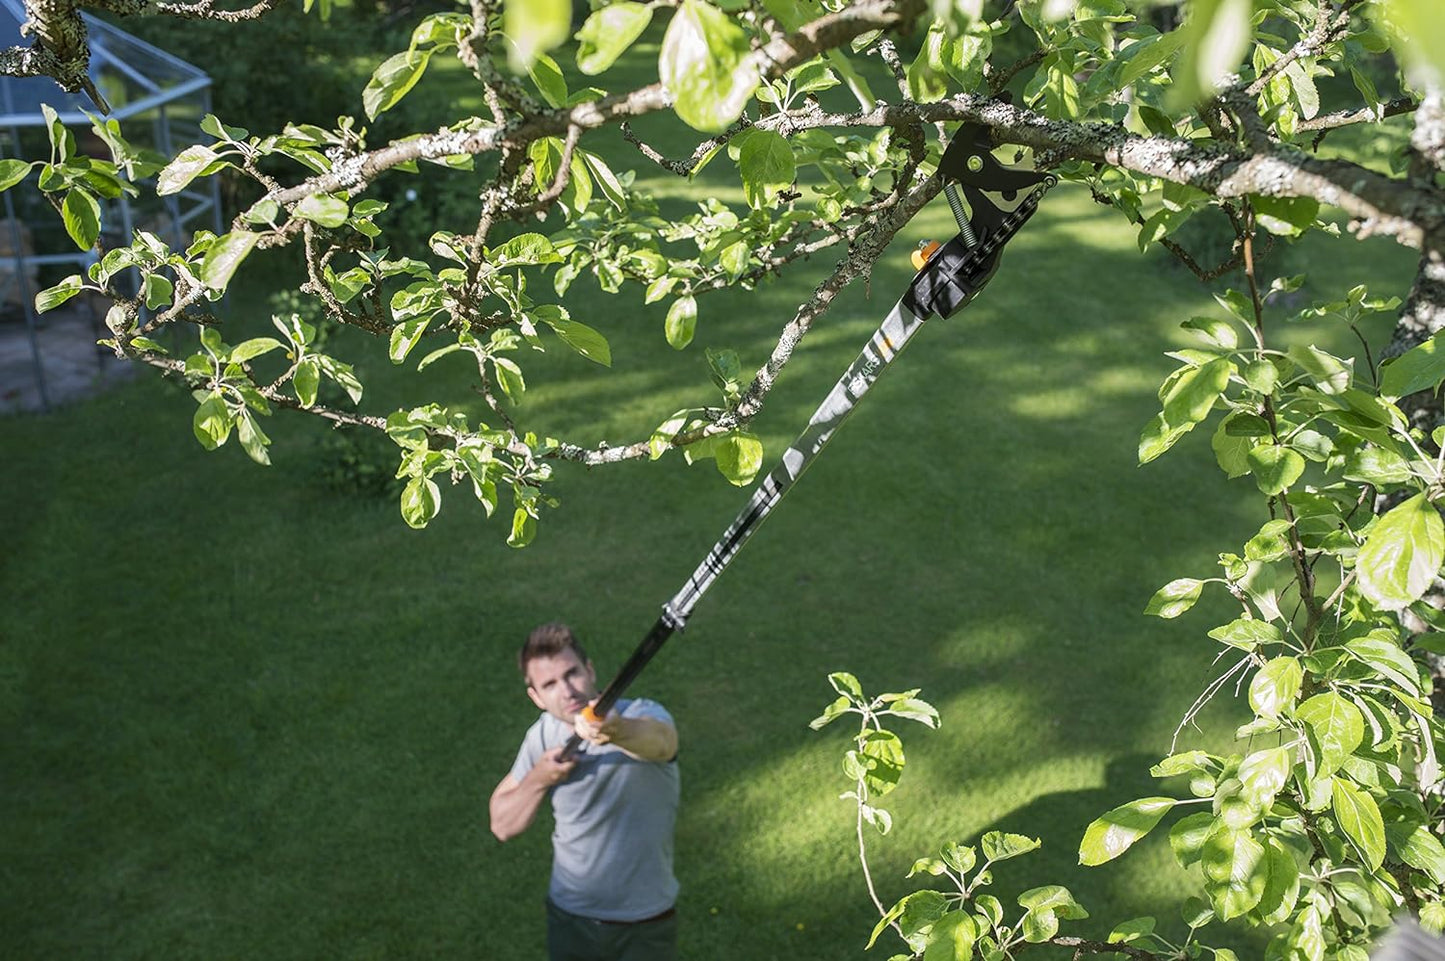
159,101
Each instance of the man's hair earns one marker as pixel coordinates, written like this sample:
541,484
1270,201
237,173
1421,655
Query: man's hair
549,640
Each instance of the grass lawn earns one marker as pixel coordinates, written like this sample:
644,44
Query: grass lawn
246,716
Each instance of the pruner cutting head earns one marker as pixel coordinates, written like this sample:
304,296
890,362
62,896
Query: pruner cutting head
970,164
950,277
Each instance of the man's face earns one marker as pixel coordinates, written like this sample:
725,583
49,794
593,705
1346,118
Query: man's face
561,685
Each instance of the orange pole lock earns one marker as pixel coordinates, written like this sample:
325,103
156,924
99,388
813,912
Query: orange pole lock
924,253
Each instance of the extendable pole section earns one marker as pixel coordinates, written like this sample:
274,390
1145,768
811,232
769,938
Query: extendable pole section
947,282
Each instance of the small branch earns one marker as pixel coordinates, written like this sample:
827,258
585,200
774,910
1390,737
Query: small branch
1085,946
1326,122
1326,30
997,81
208,10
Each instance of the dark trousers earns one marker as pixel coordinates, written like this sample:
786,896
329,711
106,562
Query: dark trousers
573,938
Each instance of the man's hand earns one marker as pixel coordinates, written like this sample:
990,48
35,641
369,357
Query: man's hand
514,803
550,769
599,733
643,738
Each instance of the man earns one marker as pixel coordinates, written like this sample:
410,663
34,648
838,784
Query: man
612,891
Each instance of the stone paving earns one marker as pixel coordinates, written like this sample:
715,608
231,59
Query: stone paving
72,364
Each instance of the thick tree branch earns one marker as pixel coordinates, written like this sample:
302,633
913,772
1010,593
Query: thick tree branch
774,59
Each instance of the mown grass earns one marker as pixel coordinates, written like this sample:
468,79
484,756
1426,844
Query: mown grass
246,716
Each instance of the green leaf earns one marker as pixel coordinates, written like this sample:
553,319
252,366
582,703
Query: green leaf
917,910
549,80
392,80
1192,395
766,164
255,347
1275,688
1189,762
1330,374
1285,216
1231,452
1262,376
951,938
509,378
739,457
188,165
960,857
681,322
608,33
212,422
1217,35
583,339
323,209
1187,836
53,297
534,27
915,710
1053,897
1432,917
1039,926
1338,728
1247,633
253,440
1359,817
1418,847
1281,889
706,65
1263,774
1377,465
1131,930
882,757
1146,55
1219,333
1402,554
343,374
224,256
1270,544
524,249
999,846
12,172
1275,467
845,684
1235,872
1422,33
1158,436
831,713
405,335
81,213
158,291
1418,369
420,501
1388,659
1116,831
305,381
605,179
1174,598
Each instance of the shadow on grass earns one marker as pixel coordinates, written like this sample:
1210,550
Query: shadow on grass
244,717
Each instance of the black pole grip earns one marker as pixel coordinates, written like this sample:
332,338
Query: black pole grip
645,651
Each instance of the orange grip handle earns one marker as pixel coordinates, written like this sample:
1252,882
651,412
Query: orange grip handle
922,255
591,715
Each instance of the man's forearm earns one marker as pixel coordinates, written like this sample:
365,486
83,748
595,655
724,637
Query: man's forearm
646,738
514,810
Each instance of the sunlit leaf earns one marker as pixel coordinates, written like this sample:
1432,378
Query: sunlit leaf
1402,554
1115,832
706,65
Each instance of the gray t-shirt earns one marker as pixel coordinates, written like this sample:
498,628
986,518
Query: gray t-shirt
612,844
